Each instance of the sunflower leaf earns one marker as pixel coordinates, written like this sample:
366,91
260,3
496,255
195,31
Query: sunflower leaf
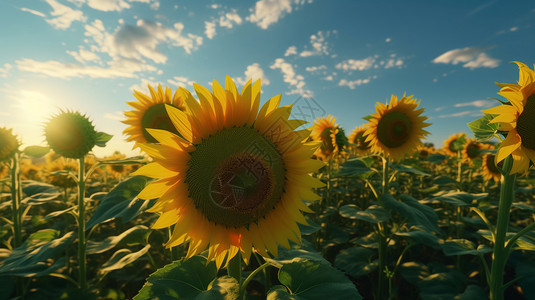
483,130
36,151
102,139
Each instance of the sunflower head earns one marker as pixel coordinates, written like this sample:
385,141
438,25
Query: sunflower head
489,168
358,139
70,134
9,144
472,150
29,171
455,143
424,151
117,169
234,176
516,120
325,130
397,127
150,112
61,164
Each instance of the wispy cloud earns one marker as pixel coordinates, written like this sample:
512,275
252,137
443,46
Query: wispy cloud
37,13
5,70
83,55
470,57
316,69
477,103
63,16
117,116
210,29
267,12
460,114
226,19
180,81
318,44
118,5
352,84
296,82
292,50
254,72
356,64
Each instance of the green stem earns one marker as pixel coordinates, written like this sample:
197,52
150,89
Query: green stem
82,279
499,257
382,280
234,267
15,198
459,168
243,285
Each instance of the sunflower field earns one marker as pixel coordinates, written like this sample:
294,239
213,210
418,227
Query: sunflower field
231,199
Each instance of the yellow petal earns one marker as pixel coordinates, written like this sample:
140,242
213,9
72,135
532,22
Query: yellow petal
180,121
155,170
510,144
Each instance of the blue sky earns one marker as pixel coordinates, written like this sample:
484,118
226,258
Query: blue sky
326,57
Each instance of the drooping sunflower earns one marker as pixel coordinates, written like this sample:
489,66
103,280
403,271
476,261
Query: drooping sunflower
396,128
150,112
454,143
489,169
235,178
516,118
325,131
70,134
358,139
8,144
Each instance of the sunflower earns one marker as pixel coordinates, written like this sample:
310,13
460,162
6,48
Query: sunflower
454,143
117,170
490,171
325,130
235,178
516,118
150,112
472,150
61,164
70,134
396,128
358,139
424,151
8,144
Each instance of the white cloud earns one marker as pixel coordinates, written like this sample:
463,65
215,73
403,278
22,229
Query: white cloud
267,12
63,16
318,43
315,69
477,103
210,29
5,70
352,84
37,13
83,55
117,116
392,62
254,72
356,64
292,50
471,57
108,5
459,114
143,86
297,82
180,81
388,40
215,6
513,29
328,78
227,19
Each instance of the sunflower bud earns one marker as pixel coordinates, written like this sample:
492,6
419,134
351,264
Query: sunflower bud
70,134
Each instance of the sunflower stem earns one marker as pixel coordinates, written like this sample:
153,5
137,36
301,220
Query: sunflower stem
82,279
234,267
243,285
459,169
15,198
382,280
499,255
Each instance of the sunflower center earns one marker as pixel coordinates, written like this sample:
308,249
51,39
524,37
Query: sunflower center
525,125
156,117
472,151
394,129
491,165
235,176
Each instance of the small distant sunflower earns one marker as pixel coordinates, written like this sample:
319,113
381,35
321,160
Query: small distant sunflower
517,119
396,128
70,134
61,164
29,171
325,131
236,176
8,144
490,171
358,138
424,152
472,150
117,170
455,143
149,112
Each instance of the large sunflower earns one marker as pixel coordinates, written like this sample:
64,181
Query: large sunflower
237,176
149,112
454,143
516,118
358,139
325,131
396,128
489,169
8,144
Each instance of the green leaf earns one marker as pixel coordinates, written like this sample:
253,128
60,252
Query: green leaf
139,231
444,180
36,151
421,237
472,292
460,198
59,212
483,130
309,229
121,202
417,214
289,255
354,167
39,193
356,261
436,158
102,139
525,242
41,254
122,258
463,247
307,279
224,287
433,280
407,169
127,161
368,117
183,279
373,214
